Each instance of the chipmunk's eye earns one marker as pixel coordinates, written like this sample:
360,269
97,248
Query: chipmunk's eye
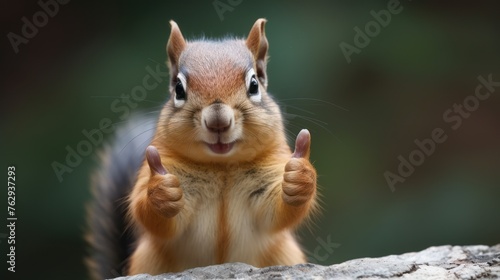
180,91
253,87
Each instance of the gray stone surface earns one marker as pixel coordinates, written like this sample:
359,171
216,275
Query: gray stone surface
443,262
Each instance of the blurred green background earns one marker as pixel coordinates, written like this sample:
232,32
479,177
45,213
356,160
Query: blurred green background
362,115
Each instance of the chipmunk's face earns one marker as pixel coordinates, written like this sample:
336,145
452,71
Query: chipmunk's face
219,110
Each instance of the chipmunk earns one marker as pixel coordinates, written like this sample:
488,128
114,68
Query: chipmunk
218,182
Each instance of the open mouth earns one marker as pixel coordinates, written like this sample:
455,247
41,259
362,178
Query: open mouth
221,148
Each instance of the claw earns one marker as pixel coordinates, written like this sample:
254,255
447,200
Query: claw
302,144
154,161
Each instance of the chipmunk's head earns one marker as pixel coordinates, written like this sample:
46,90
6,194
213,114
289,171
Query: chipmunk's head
219,108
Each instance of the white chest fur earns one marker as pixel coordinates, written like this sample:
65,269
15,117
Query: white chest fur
222,224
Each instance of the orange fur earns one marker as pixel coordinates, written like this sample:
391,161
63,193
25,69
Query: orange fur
209,208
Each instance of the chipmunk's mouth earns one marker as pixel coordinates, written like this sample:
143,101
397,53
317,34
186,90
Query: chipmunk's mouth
221,148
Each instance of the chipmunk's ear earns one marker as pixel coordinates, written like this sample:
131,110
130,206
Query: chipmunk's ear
258,45
176,44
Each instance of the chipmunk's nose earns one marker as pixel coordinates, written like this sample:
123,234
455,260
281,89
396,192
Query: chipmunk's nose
218,118
218,124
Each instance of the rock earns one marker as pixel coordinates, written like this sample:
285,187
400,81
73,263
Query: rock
443,262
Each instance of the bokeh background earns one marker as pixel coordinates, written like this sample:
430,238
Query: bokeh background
362,115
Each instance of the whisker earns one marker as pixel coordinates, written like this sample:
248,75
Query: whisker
133,138
296,108
137,114
312,120
316,100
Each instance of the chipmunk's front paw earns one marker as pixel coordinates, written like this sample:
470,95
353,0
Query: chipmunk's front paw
164,191
299,180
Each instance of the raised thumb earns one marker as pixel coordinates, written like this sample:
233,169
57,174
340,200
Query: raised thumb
154,161
302,144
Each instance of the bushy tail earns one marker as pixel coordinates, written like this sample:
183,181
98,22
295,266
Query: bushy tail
109,238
